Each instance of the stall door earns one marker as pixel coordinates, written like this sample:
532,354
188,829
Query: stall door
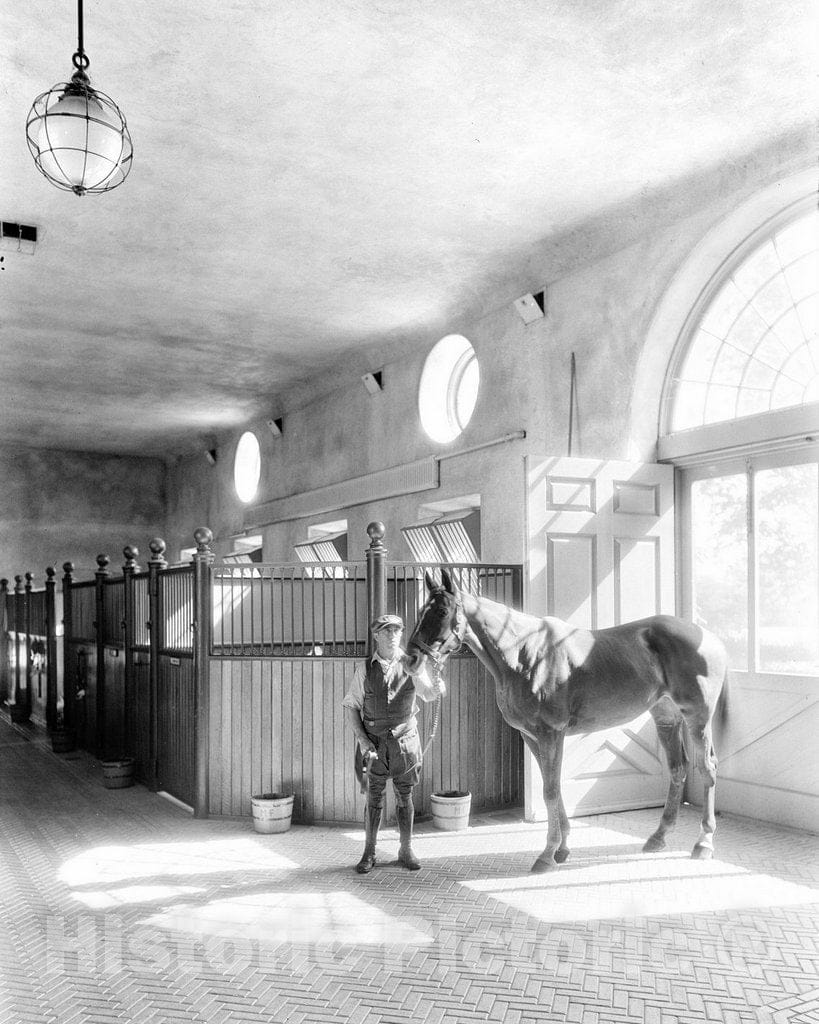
601,552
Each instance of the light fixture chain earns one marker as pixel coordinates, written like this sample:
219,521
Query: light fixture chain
80,60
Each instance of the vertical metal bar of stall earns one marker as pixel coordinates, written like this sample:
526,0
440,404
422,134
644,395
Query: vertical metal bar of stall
376,577
292,591
202,567
155,636
130,566
100,577
27,623
69,682
5,661
51,648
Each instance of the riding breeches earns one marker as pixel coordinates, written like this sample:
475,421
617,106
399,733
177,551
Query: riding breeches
399,759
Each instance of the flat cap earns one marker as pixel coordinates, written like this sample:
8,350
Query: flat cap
386,620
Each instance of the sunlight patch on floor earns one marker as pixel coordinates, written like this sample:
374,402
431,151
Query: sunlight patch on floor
621,889
274,917
523,837
103,865
99,899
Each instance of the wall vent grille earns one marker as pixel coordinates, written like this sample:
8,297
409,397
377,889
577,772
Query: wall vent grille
17,237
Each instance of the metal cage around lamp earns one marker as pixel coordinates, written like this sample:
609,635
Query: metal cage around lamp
78,136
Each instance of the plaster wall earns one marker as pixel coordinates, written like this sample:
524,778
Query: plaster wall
70,506
601,312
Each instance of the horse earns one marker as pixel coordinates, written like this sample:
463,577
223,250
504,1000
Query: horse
553,679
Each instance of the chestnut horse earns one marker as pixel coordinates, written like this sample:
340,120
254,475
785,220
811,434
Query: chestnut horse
553,679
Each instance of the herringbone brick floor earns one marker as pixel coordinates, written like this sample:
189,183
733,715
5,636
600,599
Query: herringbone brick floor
116,905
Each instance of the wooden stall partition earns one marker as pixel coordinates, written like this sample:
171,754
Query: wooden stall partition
176,716
21,703
5,646
276,725
275,720
36,646
51,656
80,657
138,672
100,578
156,564
173,638
474,749
113,743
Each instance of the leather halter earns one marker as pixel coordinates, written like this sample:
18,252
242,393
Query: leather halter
451,645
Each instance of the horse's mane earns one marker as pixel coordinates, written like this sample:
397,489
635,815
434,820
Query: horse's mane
544,658
538,647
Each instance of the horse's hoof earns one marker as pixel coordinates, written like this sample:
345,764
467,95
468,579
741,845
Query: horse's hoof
542,865
561,856
702,852
653,845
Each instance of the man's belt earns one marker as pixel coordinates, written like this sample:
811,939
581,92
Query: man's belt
378,729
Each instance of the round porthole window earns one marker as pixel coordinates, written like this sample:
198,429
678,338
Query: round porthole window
449,388
247,466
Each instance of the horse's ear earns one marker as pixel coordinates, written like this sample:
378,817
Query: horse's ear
431,584
446,579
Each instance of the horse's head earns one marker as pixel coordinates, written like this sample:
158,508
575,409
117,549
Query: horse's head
441,625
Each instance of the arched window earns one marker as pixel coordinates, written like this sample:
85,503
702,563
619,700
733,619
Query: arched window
754,347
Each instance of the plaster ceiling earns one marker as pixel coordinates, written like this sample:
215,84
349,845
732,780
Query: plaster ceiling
319,186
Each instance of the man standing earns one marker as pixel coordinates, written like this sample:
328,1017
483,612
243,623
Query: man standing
380,708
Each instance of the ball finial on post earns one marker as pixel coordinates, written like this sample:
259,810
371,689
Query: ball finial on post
157,547
376,532
203,537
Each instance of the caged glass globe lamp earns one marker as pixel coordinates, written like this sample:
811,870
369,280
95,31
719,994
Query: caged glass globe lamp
78,136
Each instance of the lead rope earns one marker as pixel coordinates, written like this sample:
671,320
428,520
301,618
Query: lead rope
436,714
436,710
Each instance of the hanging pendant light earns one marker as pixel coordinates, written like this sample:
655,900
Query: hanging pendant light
77,135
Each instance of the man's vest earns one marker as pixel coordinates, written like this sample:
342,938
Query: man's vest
385,708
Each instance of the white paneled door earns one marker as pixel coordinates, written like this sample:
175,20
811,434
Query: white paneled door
601,552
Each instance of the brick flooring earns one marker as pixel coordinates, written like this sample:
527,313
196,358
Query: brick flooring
116,905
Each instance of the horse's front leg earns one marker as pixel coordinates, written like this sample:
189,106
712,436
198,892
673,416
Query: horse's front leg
550,758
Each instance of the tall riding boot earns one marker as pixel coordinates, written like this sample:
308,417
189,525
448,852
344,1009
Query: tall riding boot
406,816
372,819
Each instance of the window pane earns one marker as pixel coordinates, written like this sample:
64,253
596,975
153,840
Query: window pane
787,544
767,312
720,561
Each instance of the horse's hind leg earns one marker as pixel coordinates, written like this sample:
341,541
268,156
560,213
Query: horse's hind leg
671,731
706,761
